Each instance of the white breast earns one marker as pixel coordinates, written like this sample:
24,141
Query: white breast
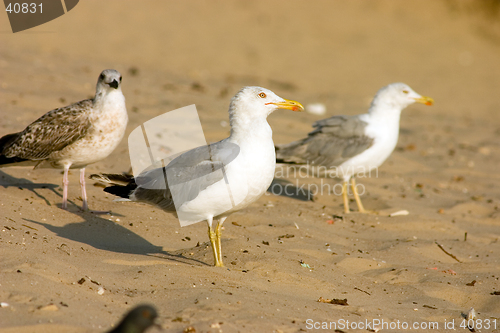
109,122
385,133
248,177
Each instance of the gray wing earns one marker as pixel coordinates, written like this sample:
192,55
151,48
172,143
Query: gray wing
52,132
333,141
186,176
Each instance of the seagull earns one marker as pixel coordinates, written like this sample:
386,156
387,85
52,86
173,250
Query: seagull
73,136
347,146
209,183
137,320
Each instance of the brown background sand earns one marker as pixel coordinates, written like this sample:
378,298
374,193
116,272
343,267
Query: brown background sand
172,54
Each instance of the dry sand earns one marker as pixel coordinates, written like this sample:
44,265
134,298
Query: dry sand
172,54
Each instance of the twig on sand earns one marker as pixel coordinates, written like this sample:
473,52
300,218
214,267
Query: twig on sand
448,253
356,288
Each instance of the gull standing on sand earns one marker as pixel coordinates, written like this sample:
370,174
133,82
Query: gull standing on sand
73,136
347,146
200,179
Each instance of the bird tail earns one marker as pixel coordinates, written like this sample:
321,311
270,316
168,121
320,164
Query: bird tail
5,141
121,185
278,150
286,153
4,160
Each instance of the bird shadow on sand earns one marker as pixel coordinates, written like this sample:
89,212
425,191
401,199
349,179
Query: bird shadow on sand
107,235
285,188
7,180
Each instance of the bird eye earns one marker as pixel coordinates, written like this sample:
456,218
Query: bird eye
262,95
406,91
102,77
120,79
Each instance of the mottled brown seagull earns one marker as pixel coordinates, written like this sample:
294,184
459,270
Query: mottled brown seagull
346,146
73,136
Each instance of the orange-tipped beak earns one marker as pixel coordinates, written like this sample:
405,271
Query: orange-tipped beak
425,100
290,105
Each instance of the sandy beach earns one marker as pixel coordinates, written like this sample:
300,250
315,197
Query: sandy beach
68,271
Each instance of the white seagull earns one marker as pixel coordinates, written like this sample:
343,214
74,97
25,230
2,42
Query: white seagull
211,182
73,136
346,146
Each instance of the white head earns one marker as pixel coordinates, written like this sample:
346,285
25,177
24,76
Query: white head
110,80
256,103
397,96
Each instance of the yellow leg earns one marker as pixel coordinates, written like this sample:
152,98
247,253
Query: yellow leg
356,196
344,196
212,236
218,236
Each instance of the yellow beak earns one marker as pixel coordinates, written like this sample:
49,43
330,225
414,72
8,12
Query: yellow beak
290,105
425,100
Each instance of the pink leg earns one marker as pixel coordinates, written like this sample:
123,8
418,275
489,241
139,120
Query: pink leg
65,188
85,205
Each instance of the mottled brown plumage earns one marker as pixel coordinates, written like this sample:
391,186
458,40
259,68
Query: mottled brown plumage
72,136
51,132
